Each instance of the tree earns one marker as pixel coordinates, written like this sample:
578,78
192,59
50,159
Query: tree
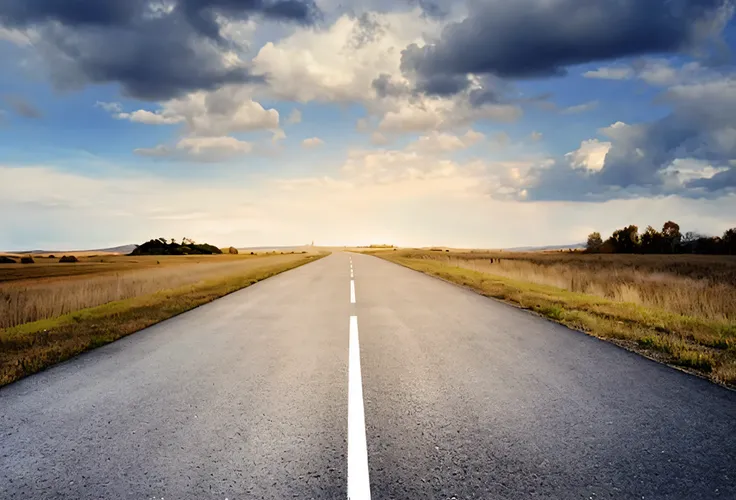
625,240
652,241
729,241
594,242
671,235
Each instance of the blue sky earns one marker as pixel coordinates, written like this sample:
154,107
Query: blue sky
478,124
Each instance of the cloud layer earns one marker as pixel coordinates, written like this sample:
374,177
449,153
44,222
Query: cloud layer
538,38
155,49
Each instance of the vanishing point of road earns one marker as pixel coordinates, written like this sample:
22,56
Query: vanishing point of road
354,377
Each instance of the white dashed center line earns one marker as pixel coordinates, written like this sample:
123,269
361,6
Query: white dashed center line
358,482
352,291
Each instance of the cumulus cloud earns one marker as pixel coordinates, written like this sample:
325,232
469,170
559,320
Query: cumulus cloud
149,118
431,113
226,110
690,152
357,59
437,142
206,113
590,156
340,62
312,142
154,49
533,38
206,149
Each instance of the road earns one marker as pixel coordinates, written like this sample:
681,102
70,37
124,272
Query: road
399,387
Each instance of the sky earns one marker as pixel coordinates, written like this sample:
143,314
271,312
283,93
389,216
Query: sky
477,123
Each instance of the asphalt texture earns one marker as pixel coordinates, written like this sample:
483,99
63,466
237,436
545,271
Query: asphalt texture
464,397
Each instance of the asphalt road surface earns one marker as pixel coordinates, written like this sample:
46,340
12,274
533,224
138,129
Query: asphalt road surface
397,386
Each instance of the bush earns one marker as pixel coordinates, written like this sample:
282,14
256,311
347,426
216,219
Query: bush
52,256
232,251
163,247
68,259
6,260
27,260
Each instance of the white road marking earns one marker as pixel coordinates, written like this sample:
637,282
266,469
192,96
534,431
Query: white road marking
358,482
352,291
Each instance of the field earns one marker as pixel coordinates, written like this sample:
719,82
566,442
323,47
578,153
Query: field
49,289
50,312
679,309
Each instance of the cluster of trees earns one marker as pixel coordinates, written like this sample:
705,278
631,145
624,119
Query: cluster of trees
162,246
668,240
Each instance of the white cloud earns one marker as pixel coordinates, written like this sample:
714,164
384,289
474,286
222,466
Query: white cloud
425,114
580,108
657,72
200,149
227,110
340,62
17,37
312,142
438,142
611,73
150,118
684,170
590,156
245,211
278,135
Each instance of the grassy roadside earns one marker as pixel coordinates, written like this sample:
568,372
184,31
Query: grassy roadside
702,346
32,347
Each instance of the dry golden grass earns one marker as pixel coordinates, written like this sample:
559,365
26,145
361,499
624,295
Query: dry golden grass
27,300
44,267
30,347
666,317
702,286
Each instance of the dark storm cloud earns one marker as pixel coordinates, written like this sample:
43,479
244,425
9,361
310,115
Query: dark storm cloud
443,84
154,49
536,38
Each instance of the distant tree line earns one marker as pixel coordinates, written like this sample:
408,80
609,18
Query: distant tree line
668,240
162,246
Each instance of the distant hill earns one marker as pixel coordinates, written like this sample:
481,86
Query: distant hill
574,246
123,249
